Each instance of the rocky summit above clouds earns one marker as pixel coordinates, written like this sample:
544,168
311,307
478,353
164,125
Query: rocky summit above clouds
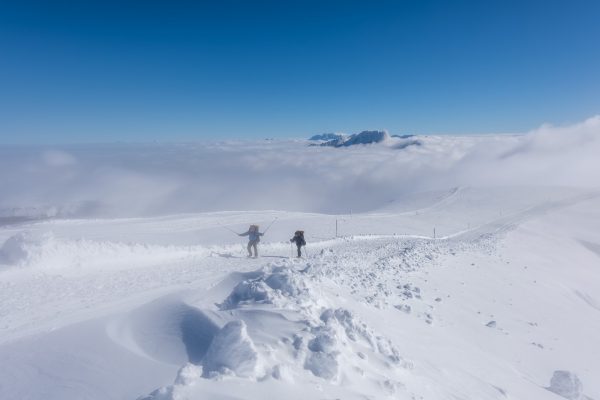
364,137
328,136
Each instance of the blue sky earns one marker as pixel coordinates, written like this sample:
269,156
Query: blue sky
139,71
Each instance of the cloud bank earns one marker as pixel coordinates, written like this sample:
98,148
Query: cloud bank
152,179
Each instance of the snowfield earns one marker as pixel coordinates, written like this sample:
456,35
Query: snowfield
442,291
488,312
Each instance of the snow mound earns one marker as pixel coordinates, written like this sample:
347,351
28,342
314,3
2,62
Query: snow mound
166,330
27,249
49,252
333,337
232,350
278,329
268,288
566,384
248,291
15,250
356,330
323,359
187,377
188,374
342,339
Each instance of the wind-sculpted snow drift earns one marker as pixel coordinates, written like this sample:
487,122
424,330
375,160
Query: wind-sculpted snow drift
45,251
455,268
275,322
500,299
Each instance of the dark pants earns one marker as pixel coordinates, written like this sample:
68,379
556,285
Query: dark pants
251,244
299,252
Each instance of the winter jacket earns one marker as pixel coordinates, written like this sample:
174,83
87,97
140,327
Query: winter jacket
253,236
299,239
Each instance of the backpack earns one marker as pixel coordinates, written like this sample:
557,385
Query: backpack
302,242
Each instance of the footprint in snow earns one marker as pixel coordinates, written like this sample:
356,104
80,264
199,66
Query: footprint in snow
491,324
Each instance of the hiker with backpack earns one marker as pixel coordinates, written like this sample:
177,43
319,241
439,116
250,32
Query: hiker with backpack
253,239
299,239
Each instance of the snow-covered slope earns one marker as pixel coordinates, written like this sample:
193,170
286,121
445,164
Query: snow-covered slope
170,307
437,267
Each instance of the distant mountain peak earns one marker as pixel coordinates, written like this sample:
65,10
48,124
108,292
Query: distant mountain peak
327,136
364,137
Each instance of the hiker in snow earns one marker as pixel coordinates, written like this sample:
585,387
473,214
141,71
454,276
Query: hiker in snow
299,239
253,239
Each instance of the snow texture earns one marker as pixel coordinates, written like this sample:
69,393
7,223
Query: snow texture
438,270
232,350
566,384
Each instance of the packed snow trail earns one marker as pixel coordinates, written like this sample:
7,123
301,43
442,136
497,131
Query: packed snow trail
483,313
385,281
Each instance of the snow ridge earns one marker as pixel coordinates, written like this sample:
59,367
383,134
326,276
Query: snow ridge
329,343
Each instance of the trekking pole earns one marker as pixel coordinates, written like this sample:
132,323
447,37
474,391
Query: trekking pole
305,251
270,225
230,230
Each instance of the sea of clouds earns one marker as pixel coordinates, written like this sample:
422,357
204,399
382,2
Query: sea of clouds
153,179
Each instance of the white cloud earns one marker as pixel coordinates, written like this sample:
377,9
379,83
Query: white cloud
57,158
155,179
